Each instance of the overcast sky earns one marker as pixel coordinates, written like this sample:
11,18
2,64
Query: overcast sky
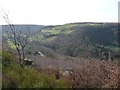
55,12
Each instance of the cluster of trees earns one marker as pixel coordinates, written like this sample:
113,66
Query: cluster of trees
103,52
82,41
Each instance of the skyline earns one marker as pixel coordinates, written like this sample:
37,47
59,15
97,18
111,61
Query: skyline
58,12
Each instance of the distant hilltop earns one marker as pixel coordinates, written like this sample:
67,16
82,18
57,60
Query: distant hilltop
24,27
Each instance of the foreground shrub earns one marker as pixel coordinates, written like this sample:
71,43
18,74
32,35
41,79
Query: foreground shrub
15,76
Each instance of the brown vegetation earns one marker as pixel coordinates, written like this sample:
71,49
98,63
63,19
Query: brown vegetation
82,72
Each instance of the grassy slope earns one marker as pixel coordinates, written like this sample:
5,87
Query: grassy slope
95,32
15,76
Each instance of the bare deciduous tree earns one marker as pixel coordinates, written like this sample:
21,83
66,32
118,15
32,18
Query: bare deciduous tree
18,38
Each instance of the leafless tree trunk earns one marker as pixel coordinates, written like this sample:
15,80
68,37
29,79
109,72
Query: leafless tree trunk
18,38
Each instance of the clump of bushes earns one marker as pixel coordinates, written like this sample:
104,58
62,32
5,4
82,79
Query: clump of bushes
86,73
6,58
95,74
15,76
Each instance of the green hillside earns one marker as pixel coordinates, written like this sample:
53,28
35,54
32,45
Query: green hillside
78,39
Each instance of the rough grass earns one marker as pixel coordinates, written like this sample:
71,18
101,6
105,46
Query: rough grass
15,76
